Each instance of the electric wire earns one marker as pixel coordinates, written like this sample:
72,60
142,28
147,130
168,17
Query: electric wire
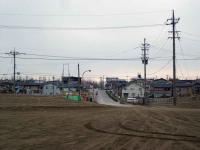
163,67
76,28
86,15
183,55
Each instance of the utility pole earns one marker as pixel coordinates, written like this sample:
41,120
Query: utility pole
53,85
145,48
14,53
101,85
63,72
79,81
173,22
103,82
68,79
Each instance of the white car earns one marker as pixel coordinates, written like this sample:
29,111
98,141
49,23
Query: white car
132,100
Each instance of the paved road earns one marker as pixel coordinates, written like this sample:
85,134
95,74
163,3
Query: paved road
103,98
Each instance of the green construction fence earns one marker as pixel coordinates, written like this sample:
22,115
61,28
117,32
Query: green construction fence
73,98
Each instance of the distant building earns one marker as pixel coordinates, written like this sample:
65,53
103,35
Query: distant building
32,88
70,84
196,88
184,88
133,90
6,86
50,89
161,88
115,85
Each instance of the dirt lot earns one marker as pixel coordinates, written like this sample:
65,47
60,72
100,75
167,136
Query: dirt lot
53,123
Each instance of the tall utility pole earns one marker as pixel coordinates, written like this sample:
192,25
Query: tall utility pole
79,81
68,79
14,53
103,82
63,72
53,85
145,48
173,22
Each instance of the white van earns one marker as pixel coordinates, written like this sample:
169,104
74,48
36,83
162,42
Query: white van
132,100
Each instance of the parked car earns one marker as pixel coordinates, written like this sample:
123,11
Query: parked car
132,100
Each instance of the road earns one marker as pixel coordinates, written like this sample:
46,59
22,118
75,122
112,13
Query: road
103,98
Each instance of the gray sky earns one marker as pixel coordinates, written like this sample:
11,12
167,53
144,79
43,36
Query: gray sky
115,43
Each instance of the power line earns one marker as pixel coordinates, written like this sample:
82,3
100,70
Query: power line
183,55
180,69
104,59
85,15
191,34
159,35
161,48
76,28
163,67
194,40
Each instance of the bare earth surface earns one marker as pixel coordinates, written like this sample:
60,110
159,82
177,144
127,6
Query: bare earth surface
53,123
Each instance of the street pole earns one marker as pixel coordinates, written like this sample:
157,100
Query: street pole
145,48
103,82
79,81
68,79
83,75
14,56
53,85
173,22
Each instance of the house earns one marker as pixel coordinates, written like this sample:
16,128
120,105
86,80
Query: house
32,88
161,88
50,89
184,88
133,90
196,88
6,86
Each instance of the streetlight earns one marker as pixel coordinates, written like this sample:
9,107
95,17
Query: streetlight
84,73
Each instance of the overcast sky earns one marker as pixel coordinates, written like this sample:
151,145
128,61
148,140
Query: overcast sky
107,43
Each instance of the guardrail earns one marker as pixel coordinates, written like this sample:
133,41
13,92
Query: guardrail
112,96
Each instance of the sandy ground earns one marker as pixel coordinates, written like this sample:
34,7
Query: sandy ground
53,123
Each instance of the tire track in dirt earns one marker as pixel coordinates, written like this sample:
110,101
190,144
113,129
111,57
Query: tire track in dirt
156,133
92,128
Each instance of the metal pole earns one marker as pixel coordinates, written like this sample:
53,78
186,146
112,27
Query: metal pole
174,58
79,81
173,22
14,84
144,71
53,85
83,75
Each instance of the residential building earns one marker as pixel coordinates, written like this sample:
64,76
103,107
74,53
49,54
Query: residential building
133,90
161,88
32,88
50,89
184,88
196,88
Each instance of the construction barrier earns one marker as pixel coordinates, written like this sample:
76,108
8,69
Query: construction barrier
73,98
